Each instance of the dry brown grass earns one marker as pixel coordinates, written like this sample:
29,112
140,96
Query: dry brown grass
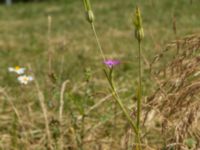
173,109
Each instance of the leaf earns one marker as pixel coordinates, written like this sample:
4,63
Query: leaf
190,142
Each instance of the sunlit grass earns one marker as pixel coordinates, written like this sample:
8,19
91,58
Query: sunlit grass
24,41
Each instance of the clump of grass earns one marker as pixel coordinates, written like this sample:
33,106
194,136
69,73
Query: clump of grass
177,96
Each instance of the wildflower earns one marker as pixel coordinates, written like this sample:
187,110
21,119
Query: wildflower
111,63
24,79
17,69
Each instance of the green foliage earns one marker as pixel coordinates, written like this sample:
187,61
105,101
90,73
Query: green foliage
191,143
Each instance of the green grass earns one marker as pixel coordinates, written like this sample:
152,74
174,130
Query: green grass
24,42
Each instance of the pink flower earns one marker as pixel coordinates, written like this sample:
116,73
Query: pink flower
111,63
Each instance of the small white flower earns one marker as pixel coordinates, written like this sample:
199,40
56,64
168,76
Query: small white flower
25,79
17,69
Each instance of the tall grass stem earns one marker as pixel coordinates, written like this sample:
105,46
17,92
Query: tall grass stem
98,42
61,144
44,110
49,44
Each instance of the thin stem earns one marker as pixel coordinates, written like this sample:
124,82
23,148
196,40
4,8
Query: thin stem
139,96
116,97
44,110
135,129
98,42
49,45
82,134
138,145
122,107
118,100
62,92
139,88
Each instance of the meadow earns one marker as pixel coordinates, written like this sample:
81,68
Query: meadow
69,103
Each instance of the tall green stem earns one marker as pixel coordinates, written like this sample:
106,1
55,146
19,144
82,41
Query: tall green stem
139,95
119,101
97,40
122,107
139,87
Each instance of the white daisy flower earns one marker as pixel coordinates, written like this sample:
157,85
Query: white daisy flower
17,69
24,79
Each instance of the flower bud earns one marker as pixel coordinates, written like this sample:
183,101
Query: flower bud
137,21
90,16
139,34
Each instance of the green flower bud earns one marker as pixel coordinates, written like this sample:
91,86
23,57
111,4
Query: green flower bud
137,21
139,34
90,16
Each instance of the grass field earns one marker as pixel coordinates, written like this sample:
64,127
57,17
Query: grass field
56,45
